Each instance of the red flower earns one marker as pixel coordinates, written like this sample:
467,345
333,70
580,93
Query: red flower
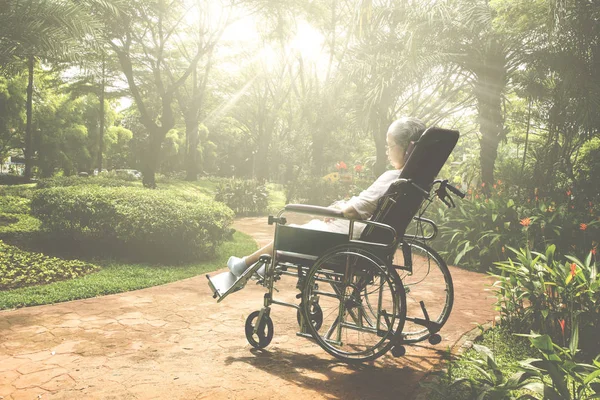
593,251
499,182
358,168
525,222
573,269
482,184
341,165
583,226
494,186
569,192
561,322
476,196
536,198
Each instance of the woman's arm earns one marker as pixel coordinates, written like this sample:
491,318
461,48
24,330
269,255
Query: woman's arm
350,212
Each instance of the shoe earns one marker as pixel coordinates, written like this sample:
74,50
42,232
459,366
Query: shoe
236,265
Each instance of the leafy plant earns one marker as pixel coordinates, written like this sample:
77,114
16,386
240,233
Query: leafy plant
535,291
568,378
20,268
244,197
14,205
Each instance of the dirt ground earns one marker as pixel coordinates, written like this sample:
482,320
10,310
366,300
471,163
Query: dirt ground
175,342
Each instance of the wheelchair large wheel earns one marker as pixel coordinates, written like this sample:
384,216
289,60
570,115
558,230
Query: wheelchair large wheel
428,289
350,330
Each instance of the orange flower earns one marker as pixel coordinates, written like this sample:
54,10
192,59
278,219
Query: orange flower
503,250
525,222
583,226
561,322
494,186
358,168
499,182
536,198
573,269
482,184
341,165
476,196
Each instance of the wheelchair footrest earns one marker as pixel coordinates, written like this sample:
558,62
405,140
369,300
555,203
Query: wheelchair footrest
225,283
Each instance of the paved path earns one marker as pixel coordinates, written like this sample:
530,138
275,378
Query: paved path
175,342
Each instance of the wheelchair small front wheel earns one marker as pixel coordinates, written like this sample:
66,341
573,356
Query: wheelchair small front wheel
264,333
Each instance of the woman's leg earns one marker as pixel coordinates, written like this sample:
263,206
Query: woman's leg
238,265
253,258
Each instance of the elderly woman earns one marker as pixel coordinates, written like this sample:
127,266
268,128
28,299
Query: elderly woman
400,139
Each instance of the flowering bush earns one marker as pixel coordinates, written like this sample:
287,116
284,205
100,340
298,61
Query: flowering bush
537,292
486,224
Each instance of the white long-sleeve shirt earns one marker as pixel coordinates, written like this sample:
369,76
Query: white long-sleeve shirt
365,204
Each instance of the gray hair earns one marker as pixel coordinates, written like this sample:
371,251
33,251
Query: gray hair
406,130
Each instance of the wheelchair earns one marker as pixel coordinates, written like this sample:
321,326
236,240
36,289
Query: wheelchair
361,296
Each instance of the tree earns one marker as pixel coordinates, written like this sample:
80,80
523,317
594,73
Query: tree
144,39
46,29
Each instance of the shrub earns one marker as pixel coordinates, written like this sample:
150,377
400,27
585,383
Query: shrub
478,232
12,179
142,224
14,205
105,180
556,375
535,291
17,223
244,197
21,268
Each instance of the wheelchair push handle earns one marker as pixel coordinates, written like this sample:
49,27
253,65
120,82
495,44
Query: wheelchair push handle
455,191
443,195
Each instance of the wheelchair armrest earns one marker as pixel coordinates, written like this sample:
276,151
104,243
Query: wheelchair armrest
316,210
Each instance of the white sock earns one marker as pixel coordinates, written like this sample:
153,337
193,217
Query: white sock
236,265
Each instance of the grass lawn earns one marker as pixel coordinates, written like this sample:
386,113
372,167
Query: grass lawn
276,197
202,186
116,278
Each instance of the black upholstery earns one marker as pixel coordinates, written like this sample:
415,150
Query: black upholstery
429,156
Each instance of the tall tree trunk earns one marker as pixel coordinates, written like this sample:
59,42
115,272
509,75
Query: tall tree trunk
29,127
152,156
101,130
488,90
193,140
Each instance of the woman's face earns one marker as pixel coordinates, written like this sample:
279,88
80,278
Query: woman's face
395,152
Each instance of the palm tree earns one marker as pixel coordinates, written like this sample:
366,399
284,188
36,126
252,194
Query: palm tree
46,29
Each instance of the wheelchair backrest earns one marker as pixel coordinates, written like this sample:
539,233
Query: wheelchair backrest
402,201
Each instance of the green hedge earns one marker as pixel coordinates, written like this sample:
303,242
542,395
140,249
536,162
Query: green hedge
14,205
139,223
244,197
20,268
107,180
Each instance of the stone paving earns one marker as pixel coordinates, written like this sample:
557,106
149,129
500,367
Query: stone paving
175,342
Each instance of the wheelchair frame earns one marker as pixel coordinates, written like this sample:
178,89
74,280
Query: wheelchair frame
362,264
